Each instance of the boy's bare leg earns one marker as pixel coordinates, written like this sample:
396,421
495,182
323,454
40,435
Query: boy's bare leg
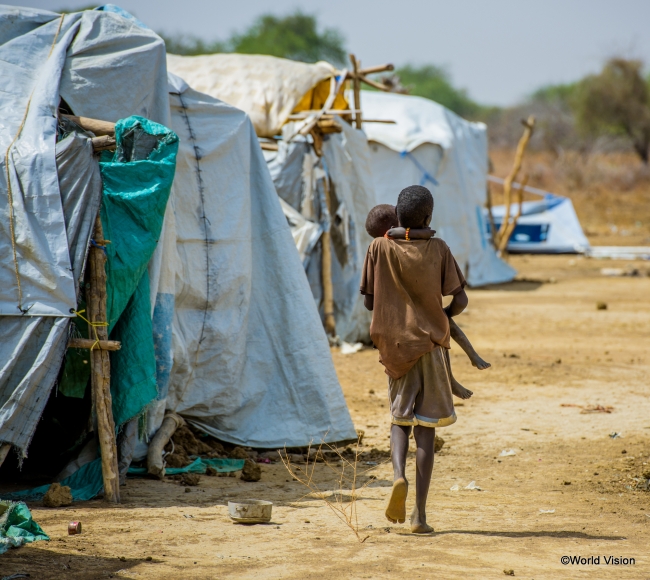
459,337
399,446
424,439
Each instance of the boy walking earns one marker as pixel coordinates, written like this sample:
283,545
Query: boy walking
403,282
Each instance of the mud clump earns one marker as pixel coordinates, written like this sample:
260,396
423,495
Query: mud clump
211,471
177,459
251,471
238,453
57,496
184,438
438,444
190,479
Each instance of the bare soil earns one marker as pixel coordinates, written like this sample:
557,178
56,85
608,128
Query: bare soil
550,347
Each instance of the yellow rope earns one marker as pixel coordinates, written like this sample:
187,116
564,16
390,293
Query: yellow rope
10,196
93,325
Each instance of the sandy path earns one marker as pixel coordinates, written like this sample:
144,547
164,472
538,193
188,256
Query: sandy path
565,352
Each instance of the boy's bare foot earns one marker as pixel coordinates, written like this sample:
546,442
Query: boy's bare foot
419,523
396,510
478,362
460,391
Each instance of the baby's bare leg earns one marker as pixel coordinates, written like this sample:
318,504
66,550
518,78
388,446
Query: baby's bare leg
459,337
424,439
456,388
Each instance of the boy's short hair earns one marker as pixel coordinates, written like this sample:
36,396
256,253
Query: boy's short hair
380,219
414,204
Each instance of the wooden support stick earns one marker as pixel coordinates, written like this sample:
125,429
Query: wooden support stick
93,125
329,126
375,84
488,205
101,369
376,69
529,125
327,113
93,344
104,143
380,121
4,451
356,85
266,146
513,223
328,290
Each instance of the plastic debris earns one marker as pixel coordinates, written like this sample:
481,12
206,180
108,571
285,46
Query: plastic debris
349,348
507,453
454,488
546,511
472,485
615,435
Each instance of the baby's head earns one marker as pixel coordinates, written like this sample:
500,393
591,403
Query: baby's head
414,207
380,219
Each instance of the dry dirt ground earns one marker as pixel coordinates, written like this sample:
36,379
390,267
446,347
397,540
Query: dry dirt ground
550,347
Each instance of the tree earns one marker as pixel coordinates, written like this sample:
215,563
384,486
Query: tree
294,36
433,82
616,101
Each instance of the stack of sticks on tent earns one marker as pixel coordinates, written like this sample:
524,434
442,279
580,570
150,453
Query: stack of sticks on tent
97,341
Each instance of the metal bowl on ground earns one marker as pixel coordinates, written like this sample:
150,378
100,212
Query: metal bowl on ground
250,511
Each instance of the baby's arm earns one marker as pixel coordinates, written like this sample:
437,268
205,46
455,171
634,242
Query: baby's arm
459,337
414,234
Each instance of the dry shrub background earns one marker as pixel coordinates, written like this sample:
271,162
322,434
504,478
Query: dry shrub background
610,190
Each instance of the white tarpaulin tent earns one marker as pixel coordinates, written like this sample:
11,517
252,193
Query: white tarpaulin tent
431,146
251,361
269,89
239,346
546,226
266,87
346,162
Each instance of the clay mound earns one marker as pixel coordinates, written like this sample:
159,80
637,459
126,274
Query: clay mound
177,459
183,437
190,479
186,438
238,453
251,471
57,496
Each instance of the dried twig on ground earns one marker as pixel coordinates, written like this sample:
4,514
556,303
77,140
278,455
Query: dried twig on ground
345,464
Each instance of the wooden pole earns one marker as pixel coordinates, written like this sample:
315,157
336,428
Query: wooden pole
101,369
529,125
4,451
93,125
328,290
377,69
356,85
93,344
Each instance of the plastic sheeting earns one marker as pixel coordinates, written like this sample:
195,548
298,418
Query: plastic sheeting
32,347
298,174
104,66
431,146
17,526
266,87
251,362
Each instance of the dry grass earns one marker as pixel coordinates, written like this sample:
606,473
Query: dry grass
342,500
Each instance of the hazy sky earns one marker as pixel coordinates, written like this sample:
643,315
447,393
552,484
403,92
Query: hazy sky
499,50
